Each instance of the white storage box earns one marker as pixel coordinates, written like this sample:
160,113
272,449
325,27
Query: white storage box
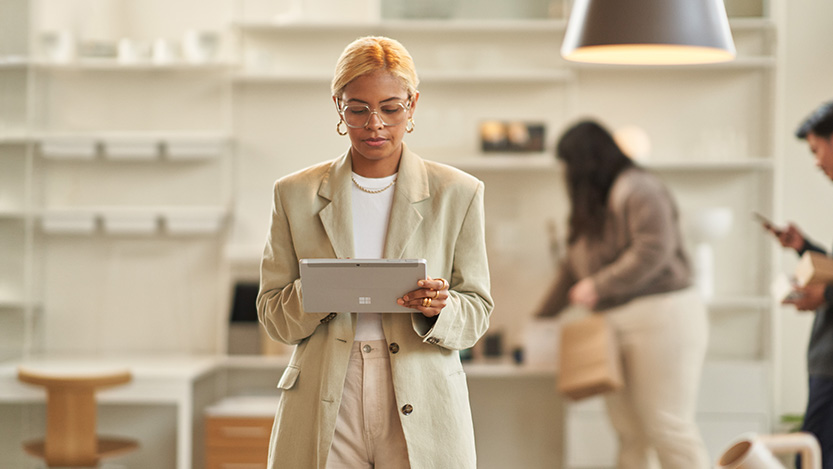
188,148
130,221
82,148
131,148
68,221
196,220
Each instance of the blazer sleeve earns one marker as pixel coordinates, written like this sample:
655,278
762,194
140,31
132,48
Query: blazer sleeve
649,217
466,316
279,301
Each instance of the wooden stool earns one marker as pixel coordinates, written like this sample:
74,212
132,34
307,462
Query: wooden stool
71,439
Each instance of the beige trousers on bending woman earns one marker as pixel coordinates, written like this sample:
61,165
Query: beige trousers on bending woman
663,340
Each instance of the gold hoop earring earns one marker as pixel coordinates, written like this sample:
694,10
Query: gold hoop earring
338,128
411,125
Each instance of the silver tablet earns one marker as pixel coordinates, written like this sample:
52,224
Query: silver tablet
359,285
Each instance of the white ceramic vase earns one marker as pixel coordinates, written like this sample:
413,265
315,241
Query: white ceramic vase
752,451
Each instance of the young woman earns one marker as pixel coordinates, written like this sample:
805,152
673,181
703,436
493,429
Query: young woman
626,260
377,390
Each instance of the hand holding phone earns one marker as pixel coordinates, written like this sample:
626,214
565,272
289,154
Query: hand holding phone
789,236
767,224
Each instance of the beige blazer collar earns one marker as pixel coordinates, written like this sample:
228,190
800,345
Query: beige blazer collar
337,217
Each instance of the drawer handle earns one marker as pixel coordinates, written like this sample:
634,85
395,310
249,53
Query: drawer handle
242,465
244,432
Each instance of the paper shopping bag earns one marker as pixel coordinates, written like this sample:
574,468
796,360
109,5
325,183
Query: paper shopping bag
589,359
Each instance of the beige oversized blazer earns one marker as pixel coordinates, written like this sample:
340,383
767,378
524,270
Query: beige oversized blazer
437,214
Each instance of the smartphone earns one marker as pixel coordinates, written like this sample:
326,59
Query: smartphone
766,222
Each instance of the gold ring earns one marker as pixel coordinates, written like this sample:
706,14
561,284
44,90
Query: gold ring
445,284
436,294
426,302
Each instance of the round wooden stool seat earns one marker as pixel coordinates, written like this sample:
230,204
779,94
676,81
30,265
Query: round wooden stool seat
71,439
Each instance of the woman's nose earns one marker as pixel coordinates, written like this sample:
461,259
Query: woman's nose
375,122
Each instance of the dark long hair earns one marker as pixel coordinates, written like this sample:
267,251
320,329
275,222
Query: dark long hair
593,161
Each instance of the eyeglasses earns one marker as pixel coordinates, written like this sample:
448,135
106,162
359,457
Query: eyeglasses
357,116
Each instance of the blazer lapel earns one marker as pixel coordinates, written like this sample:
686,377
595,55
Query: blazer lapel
411,187
337,216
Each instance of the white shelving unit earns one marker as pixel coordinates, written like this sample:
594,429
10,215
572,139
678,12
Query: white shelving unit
130,193
113,177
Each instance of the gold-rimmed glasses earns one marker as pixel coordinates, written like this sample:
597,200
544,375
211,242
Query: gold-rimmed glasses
391,113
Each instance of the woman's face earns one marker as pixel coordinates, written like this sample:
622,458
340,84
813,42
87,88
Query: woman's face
822,148
376,147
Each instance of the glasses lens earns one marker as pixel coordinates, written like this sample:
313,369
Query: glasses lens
358,115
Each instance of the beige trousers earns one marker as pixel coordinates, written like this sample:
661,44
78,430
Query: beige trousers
663,339
368,432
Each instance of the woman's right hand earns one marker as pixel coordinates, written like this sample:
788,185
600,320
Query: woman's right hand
790,237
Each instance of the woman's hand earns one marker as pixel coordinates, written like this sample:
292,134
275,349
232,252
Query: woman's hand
808,298
584,293
429,299
790,237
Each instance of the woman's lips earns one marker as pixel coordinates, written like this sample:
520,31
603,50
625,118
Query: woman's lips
375,142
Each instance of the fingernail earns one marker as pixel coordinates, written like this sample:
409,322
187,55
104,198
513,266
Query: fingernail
405,297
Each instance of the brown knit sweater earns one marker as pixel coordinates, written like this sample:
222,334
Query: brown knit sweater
640,251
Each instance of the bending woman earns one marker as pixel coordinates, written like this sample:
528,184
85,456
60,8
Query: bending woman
626,260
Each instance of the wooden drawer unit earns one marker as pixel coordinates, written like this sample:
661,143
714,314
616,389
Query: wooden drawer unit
237,442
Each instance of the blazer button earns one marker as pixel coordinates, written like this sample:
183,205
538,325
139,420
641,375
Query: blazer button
407,409
367,348
394,348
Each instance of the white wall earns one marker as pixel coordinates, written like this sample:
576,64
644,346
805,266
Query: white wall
806,193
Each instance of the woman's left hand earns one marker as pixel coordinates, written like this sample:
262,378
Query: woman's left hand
429,299
584,293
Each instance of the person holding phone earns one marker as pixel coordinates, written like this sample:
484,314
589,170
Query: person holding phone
382,390
817,130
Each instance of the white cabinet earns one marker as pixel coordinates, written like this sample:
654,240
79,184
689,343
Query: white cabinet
116,174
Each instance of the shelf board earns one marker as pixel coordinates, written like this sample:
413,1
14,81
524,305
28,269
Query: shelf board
740,302
112,65
427,77
266,77
497,76
740,164
545,161
12,303
512,26
506,162
129,220
134,146
12,213
141,134
391,26
21,66
15,138
751,24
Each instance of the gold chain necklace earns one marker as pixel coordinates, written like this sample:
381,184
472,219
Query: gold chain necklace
372,191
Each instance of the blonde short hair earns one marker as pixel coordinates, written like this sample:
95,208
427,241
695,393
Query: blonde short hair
368,54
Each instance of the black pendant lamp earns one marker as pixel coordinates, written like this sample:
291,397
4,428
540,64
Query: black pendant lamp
648,32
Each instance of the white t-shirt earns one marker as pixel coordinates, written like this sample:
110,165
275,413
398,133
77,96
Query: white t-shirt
371,214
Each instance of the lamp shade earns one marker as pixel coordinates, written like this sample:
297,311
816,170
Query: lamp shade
648,32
